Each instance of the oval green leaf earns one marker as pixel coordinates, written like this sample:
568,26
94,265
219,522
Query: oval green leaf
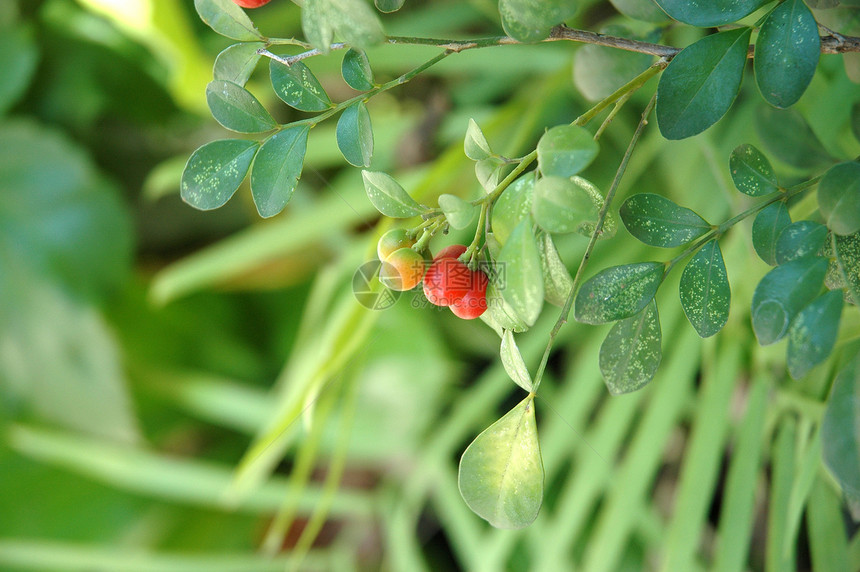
705,292
701,83
235,108
767,226
501,472
237,62
786,53
782,294
711,13
388,196
355,135
298,87
215,171
475,144
657,221
562,205
813,333
513,206
530,20
556,278
458,213
840,429
277,169
512,361
839,198
610,224
356,71
520,262
618,292
847,264
489,173
226,18
565,150
800,239
751,172
632,351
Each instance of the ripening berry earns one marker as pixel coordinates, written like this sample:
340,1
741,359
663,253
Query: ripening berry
251,3
474,303
401,270
450,282
394,239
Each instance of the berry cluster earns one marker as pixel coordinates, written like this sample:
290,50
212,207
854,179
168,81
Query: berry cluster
447,281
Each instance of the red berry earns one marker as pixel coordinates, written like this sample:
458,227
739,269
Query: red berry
473,304
453,251
251,3
450,282
402,269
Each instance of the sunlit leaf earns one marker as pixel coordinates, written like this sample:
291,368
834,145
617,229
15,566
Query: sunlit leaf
458,213
531,20
767,226
520,262
277,169
298,87
513,362
839,198
711,13
356,71
632,351
799,239
237,109
489,173
657,221
751,172
813,333
226,18
354,21
215,171
782,294
388,196
475,143
618,292
355,135
786,53
705,291
513,206
561,205
501,472
701,83
566,150
237,62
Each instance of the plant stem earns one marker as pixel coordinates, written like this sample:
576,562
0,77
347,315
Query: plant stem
601,217
471,253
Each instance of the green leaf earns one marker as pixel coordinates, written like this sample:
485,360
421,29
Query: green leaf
237,109
632,351
513,206
839,198
751,172
705,292
475,144
644,10
557,282
356,71
840,428
855,120
531,20
500,315
489,173
389,5
599,70
298,87
711,13
226,18
782,294
501,472
355,135
566,150
786,53
813,333
701,83
767,226
388,196
618,292
237,62
459,213
513,362
787,136
562,205
215,171
520,260
18,58
610,224
352,20
847,263
800,239
657,221
277,169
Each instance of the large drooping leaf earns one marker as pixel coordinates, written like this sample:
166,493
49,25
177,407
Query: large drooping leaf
710,13
840,429
501,472
237,109
215,171
751,172
813,333
277,168
657,221
618,292
226,18
782,294
353,21
786,53
705,291
298,87
701,83
632,351
767,226
531,20
839,198
520,262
